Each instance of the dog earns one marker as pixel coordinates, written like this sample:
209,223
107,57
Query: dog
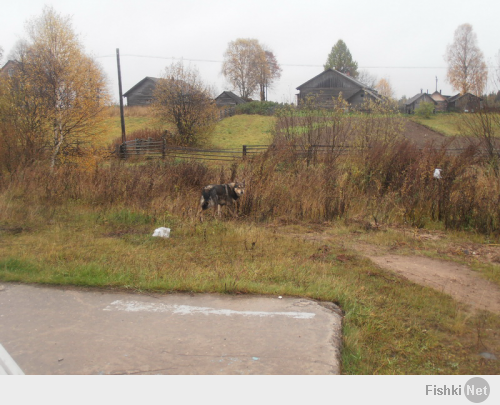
217,195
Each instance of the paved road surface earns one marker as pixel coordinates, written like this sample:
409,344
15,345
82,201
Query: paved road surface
50,330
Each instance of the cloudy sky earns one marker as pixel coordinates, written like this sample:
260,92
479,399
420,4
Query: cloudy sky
403,42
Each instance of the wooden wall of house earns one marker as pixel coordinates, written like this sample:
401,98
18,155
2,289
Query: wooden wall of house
327,87
225,100
142,95
467,103
410,109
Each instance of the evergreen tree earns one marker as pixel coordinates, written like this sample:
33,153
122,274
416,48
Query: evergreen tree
340,59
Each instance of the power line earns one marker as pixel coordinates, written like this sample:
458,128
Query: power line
283,64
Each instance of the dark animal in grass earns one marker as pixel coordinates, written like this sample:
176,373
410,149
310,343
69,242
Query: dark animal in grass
217,195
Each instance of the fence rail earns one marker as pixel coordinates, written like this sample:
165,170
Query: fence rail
152,148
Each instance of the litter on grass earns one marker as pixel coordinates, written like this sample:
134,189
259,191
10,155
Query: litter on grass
162,232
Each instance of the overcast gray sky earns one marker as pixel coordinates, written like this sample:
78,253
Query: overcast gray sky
400,41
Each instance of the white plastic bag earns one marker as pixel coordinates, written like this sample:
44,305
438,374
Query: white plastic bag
437,173
162,232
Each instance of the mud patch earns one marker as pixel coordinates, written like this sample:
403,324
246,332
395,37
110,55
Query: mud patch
463,284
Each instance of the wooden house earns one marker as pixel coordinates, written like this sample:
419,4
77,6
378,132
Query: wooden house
142,92
228,99
440,100
464,103
412,104
328,85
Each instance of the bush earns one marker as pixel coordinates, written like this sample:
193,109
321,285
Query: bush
257,108
425,109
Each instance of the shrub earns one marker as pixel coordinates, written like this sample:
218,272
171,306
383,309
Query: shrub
425,109
257,108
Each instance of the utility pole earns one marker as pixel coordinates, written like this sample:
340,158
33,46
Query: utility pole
122,116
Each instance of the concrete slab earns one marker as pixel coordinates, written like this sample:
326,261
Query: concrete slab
55,331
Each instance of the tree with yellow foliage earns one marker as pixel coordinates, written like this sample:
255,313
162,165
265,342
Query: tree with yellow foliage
182,99
467,71
384,88
58,93
249,66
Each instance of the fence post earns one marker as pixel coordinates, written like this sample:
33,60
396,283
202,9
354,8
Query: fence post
244,151
123,151
163,147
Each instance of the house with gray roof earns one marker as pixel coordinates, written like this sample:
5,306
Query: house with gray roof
228,99
142,92
328,85
412,104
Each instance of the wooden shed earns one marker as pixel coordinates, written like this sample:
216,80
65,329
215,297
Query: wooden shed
328,85
228,99
412,104
464,103
142,92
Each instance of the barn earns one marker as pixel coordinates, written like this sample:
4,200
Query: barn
142,92
464,103
412,104
328,85
228,99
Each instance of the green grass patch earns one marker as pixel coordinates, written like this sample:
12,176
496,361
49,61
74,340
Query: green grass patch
391,325
444,123
239,130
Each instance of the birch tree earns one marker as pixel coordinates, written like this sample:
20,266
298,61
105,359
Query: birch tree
467,71
63,89
242,64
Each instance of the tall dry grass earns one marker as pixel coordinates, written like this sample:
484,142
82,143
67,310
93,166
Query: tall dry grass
386,183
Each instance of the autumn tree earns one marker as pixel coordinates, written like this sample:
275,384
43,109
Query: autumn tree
340,59
58,94
182,99
467,71
384,88
244,66
269,70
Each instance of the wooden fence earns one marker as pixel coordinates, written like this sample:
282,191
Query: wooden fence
153,149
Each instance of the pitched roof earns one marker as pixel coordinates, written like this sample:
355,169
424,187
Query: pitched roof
357,83
368,91
457,96
233,96
416,97
154,79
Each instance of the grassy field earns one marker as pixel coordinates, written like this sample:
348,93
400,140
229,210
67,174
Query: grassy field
446,124
391,325
239,130
93,228
230,133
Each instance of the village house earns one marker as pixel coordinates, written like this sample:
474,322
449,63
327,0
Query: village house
228,99
142,92
464,103
457,103
413,103
328,85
